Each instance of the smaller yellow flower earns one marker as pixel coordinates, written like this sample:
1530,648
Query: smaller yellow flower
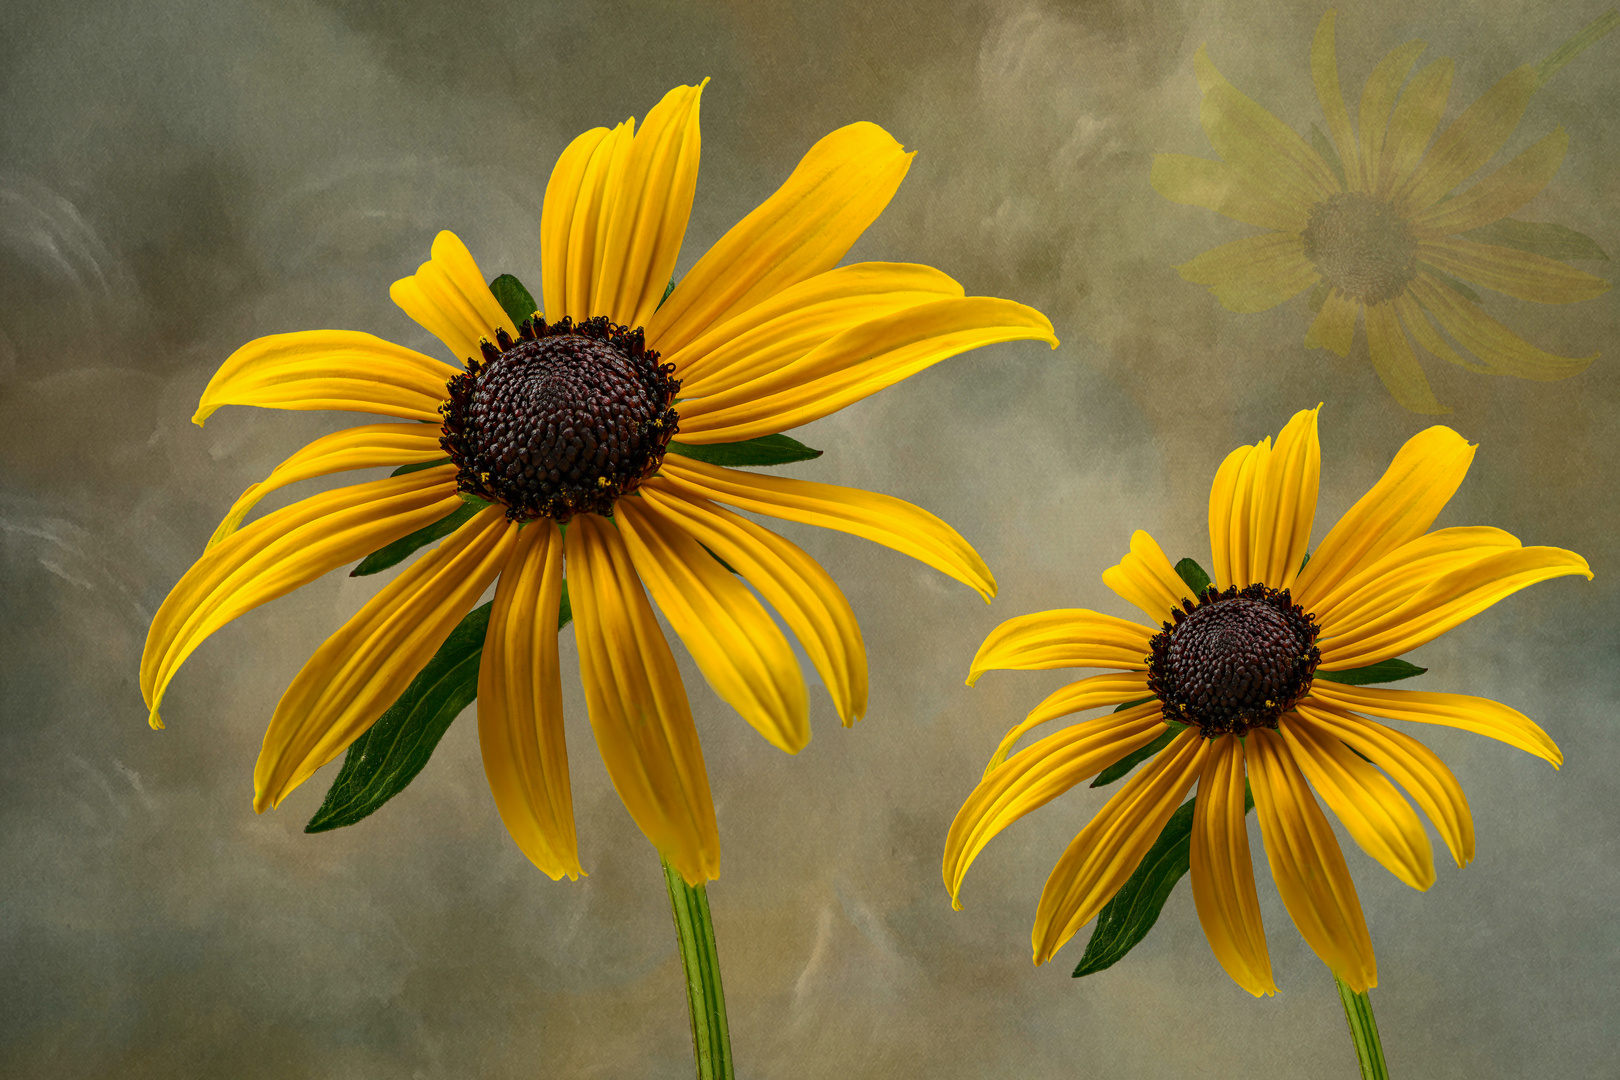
1240,666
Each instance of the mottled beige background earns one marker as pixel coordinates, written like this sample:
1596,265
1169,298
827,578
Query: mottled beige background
179,176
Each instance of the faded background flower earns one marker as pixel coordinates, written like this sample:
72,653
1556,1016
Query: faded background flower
177,178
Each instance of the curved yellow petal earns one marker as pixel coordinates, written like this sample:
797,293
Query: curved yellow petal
1334,327
1307,864
358,672
1523,275
449,297
1502,192
1034,777
1095,692
520,708
806,597
858,363
1412,125
1285,507
281,552
1068,637
1146,578
1415,319
1232,506
1215,185
638,707
1109,848
1501,350
1223,873
1403,504
571,220
1256,143
803,229
1471,140
780,330
1382,586
1377,98
1325,74
329,369
907,529
364,447
738,648
1397,366
1255,273
1479,715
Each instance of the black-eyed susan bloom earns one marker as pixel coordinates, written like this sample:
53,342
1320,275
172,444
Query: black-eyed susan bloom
1242,672
557,432
1376,218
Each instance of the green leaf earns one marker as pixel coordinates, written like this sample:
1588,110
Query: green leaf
1193,575
765,450
1539,238
1319,295
1136,757
1126,919
1330,153
565,610
1460,286
384,760
418,466
514,299
729,568
1383,671
405,546
667,290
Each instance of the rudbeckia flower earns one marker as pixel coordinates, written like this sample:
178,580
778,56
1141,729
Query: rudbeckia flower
558,431
1376,220
1241,670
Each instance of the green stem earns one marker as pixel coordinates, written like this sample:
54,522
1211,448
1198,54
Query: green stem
706,1001
1572,48
1364,1031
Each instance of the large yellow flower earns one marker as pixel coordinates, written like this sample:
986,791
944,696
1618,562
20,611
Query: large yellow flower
1240,667
559,429
1381,227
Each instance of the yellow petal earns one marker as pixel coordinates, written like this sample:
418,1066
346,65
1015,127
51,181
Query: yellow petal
571,220
1146,578
1325,74
1400,507
1382,586
1214,185
1502,351
1335,324
364,447
448,296
1479,715
1377,98
638,707
360,670
281,552
329,369
1255,273
1396,364
1034,777
1096,692
1231,514
1069,637
1256,143
1414,766
1500,193
1112,844
1412,125
738,648
907,529
778,331
520,709
1223,873
1415,319
804,229
1371,810
1307,864
808,600
858,363
1472,139
1523,275
1285,507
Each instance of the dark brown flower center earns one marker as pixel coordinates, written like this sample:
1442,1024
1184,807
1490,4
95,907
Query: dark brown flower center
1361,247
1237,660
562,421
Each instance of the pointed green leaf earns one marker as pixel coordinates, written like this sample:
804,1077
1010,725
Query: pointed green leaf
1381,672
667,290
405,546
1193,575
514,299
1539,238
1136,757
765,450
418,466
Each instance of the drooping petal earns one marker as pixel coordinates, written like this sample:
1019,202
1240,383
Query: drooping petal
1325,74
1523,275
806,597
360,670
1146,578
1382,586
1307,864
1502,192
1215,185
329,369
1371,810
1255,142
1412,125
572,226
858,363
520,708
1479,715
364,447
1098,691
1377,98
637,705
1231,513
1334,327
1255,273
1397,366
907,529
1034,777
738,648
1403,504
282,552
1472,139
1223,873
1415,319
1502,351
1112,844
449,297
804,229
1069,637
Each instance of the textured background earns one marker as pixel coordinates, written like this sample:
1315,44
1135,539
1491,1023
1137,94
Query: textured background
179,176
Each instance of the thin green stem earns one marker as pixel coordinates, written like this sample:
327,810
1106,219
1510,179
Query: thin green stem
1364,1031
1572,48
705,1000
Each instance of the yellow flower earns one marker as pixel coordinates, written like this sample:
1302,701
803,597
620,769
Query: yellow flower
1240,667
1379,228
566,421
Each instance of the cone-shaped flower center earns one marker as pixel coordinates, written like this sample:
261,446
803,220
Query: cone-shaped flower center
562,421
1361,247
1237,660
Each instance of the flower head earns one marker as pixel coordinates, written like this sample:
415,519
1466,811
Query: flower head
1243,673
554,445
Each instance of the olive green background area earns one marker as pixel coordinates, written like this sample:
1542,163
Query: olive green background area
177,178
